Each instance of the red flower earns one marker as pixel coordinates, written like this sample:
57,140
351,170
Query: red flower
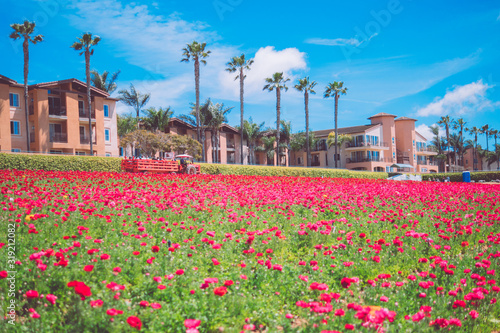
155,248
3,274
114,312
346,282
88,268
144,304
117,269
136,253
96,304
192,323
349,327
156,305
32,294
134,322
179,272
228,283
105,256
220,291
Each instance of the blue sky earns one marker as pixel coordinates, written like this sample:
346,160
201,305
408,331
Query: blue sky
422,59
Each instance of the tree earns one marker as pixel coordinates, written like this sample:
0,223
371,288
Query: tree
252,132
134,99
485,130
474,131
197,51
286,135
240,64
218,116
495,133
446,121
459,124
278,82
268,148
202,121
126,124
307,87
437,142
102,81
334,90
156,120
298,141
25,31
86,43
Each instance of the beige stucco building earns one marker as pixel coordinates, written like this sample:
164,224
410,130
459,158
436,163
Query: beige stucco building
58,118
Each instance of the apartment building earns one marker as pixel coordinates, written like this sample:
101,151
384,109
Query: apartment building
387,144
58,118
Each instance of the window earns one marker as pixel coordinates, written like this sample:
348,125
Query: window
299,160
392,140
106,111
56,151
121,151
107,135
80,153
14,128
108,154
14,100
16,150
413,142
424,169
81,108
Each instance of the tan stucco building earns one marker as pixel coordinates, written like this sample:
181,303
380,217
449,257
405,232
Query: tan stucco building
58,118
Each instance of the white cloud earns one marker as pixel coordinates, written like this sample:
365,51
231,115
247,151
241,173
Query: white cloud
267,61
426,132
459,101
355,41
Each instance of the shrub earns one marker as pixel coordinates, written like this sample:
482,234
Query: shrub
487,176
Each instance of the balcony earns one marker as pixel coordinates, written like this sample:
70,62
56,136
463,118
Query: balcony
366,159
59,137
57,111
85,114
420,162
320,146
230,145
363,144
85,140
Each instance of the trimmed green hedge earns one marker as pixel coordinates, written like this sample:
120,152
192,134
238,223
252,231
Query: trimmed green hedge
89,163
487,176
59,162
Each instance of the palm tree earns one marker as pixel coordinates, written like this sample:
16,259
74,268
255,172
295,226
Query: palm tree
341,139
474,131
25,31
334,90
197,51
134,99
101,81
278,82
437,143
268,148
85,43
459,124
494,133
218,113
240,64
486,131
286,135
125,124
252,132
157,120
307,86
446,121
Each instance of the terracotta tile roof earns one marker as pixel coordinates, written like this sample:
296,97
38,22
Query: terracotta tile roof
73,80
382,114
7,80
345,130
405,118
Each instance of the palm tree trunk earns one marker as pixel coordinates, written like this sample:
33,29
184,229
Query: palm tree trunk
448,147
336,134
89,101
241,113
26,70
308,146
278,97
197,89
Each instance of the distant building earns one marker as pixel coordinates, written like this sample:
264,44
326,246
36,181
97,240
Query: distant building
386,144
58,118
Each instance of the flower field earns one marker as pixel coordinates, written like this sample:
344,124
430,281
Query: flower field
110,252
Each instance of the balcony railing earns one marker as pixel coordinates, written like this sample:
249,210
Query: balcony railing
230,145
366,159
59,137
315,163
85,114
420,162
426,149
365,144
61,111
85,140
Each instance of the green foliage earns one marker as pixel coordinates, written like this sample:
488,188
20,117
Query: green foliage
59,163
487,176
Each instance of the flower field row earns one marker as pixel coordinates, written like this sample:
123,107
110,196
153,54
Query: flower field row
110,252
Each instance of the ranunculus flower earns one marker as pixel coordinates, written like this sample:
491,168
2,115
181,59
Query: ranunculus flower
155,248
88,268
192,323
32,294
220,291
135,322
114,312
179,272
3,274
51,298
96,304
156,305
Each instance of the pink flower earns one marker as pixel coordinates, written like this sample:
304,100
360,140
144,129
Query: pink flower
192,323
51,298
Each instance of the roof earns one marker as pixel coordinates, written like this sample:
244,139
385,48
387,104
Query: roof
345,130
230,128
73,80
402,166
182,122
382,114
5,79
404,118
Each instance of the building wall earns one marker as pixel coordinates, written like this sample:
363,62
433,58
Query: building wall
17,114
405,139
5,139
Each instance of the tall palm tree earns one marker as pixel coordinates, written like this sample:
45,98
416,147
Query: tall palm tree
268,148
334,90
157,120
437,143
495,133
341,139
459,124
240,64
125,124
25,31
134,99
307,86
218,117
286,135
486,131
446,121
474,131
102,81
86,43
197,51
205,118
277,81
252,132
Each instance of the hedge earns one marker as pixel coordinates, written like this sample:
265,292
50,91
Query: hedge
476,176
90,163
